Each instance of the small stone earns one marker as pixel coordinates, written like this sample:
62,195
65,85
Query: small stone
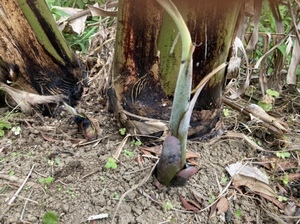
65,208
31,218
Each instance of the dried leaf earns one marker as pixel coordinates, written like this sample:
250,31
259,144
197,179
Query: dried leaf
187,205
249,171
96,11
253,184
222,206
273,200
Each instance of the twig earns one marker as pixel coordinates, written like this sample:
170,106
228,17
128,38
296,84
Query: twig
25,204
21,187
120,147
132,189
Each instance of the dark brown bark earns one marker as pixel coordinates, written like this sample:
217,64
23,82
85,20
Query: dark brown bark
33,55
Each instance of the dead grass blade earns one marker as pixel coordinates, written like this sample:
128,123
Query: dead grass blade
254,37
26,100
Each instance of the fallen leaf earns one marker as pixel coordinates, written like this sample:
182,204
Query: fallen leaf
248,171
156,150
222,206
187,205
253,184
190,155
272,199
198,196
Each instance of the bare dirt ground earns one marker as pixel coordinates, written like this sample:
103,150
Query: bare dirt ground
82,186
67,174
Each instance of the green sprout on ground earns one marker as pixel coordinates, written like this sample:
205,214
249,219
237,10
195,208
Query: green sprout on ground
46,181
11,173
111,163
4,126
128,153
135,143
167,206
212,199
285,179
238,213
226,112
70,192
122,131
267,103
283,155
50,218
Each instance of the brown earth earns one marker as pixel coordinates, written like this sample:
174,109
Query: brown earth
83,187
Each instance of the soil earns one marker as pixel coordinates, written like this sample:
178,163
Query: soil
83,187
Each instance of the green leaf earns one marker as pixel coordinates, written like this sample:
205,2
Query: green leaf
111,163
122,131
265,106
1,133
226,112
5,125
282,49
271,92
50,218
128,153
238,213
283,155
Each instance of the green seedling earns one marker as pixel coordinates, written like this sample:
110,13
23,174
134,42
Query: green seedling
167,206
135,143
70,192
285,179
11,173
128,153
46,181
3,189
283,155
212,199
3,126
111,163
116,195
224,180
226,112
238,213
122,131
271,94
50,218
282,198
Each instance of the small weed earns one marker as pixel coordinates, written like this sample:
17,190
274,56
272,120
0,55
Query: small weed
212,200
135,143
226,112
116,195
283,155
11,173
101,178
167,206
282,198
238,213
128,153
70,192
285,179
50,218
267,103
111,163
46,181
59,187
3,126
122,131
3,189
224,180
